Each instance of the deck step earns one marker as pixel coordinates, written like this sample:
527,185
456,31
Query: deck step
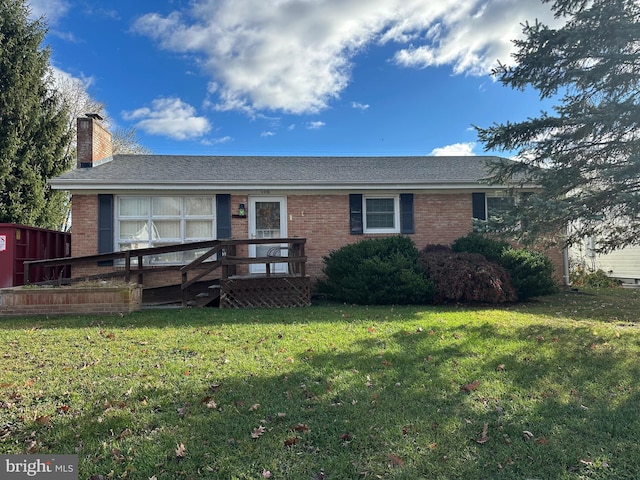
205,299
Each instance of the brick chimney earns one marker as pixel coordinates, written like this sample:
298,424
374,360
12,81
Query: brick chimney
94,142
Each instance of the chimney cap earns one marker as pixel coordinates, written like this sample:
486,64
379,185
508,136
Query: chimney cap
95,116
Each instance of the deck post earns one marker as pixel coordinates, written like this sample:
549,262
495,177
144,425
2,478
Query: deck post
127,266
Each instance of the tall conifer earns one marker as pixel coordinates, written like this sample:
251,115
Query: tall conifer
586,153
32,123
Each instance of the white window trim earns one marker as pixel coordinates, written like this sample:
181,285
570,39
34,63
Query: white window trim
396,214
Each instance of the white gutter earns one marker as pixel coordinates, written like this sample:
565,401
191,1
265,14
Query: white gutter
75,186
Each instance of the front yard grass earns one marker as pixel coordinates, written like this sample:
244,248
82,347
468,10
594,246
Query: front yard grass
546,389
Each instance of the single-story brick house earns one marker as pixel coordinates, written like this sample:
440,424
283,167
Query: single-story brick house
133,201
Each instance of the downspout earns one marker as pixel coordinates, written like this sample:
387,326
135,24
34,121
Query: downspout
565,260
565,263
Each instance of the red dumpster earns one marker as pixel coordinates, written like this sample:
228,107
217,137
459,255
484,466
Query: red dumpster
19,243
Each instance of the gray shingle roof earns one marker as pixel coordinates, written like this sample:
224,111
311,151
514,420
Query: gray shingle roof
182,170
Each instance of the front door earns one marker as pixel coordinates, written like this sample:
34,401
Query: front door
268,219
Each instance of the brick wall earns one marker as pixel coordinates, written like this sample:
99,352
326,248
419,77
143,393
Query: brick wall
322,219
84,232
94,142
70,300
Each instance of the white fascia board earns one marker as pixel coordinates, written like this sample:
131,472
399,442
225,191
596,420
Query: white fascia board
79,187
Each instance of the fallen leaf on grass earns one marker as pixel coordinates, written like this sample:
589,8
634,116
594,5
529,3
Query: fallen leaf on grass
44,420
483,436
182,411
470,387
395,460
291,441
116,455
31,446
181,451
125,433
266,474
500,368
258,431
301,427
209,402
527,435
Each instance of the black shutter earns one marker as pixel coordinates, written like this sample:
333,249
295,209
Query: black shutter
223,216
406,213
105,226
355,214
479,206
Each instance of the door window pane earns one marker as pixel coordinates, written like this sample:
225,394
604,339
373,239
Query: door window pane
268,216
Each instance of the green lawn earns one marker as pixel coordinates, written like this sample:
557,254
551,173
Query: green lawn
543,390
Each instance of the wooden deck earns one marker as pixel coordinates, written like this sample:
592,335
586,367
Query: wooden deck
210,280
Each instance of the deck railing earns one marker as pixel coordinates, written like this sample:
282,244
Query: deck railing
218,254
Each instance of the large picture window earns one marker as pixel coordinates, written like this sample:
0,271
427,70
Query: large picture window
155,221
381,214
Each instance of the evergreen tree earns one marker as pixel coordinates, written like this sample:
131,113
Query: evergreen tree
586,154
33,138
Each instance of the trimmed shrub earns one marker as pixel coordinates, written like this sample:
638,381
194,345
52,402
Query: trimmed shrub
531,272
381,271
465,277
476,243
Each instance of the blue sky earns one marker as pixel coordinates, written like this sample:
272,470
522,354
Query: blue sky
296,77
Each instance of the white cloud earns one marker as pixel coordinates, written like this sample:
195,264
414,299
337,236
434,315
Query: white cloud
62,77
359,106
315,125
52,10
170,117
217,141
296,56
267,134
456,149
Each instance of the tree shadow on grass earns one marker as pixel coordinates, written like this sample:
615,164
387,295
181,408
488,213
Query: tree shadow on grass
557,403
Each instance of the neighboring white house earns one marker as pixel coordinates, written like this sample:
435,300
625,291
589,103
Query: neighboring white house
623,264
